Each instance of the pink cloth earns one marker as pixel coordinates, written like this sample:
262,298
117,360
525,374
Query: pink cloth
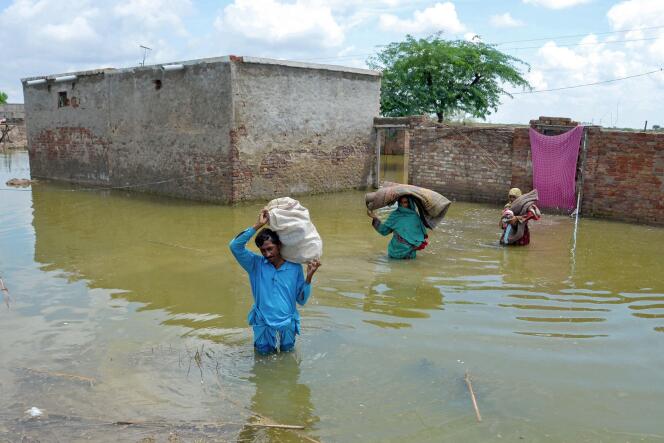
554,167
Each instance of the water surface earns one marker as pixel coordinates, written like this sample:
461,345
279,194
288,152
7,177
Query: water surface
129,308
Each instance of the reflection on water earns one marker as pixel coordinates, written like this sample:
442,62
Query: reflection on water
392,168
125,289
279,398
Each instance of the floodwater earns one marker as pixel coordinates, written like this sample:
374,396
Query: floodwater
392,168
126,321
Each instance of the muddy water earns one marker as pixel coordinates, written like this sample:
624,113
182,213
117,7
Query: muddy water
129,308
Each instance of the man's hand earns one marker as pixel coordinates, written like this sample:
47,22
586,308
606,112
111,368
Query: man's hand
263,218
312,267
370,213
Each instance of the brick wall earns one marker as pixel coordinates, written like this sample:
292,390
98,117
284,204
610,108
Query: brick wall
624,176
70,153
623,173
465,163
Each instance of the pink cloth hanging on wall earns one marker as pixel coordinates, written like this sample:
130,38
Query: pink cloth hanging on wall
554,167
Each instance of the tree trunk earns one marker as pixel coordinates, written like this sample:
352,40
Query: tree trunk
440,117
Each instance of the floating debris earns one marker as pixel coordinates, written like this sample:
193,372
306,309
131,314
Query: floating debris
34,412
20,182
74,377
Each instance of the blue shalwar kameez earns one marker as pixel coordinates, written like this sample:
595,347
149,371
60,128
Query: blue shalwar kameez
275,293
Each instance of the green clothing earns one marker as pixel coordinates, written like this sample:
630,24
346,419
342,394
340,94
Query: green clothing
409,231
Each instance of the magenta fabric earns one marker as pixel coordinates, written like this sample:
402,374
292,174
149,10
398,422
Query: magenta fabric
554,167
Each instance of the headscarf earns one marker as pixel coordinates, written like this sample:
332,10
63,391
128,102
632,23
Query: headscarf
514,192
406,222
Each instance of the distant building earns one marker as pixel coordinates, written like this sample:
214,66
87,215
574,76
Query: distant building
12,113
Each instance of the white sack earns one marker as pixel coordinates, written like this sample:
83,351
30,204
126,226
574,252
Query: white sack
300,242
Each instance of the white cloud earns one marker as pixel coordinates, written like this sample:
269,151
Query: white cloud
344,52
43,29
556,4
636,13
505,21
48,38
440,17
155,14
536,79
78,30
274,23
634,100
554,56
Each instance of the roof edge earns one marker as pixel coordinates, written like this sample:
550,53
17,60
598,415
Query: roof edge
222,59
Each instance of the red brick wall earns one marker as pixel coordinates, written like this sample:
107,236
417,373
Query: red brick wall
522,162
70,153
624,176
623,173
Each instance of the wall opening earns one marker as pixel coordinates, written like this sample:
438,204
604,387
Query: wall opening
392,145
157,84
62,99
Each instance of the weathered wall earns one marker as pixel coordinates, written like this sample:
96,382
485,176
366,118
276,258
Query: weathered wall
301,130
122,128
171,124
623,173
69,142
225,129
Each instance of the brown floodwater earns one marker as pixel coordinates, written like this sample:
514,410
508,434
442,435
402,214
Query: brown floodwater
126,320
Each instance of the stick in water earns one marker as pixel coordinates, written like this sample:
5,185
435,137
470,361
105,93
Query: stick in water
273,425
472,396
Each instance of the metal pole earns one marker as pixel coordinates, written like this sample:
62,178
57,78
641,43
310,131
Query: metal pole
579,195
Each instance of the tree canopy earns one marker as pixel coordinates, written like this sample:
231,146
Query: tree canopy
435,76
3,98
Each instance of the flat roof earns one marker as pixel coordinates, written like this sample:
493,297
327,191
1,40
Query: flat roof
224,59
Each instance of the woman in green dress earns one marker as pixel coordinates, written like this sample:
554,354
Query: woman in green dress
406,225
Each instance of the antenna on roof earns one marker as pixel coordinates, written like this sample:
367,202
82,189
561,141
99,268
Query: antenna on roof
145,53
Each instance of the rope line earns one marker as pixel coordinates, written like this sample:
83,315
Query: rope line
588,84
539,39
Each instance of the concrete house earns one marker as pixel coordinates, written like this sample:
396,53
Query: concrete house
221,129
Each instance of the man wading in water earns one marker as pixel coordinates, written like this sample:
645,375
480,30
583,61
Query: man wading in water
276,285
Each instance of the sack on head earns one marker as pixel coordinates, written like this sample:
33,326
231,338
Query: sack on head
300,241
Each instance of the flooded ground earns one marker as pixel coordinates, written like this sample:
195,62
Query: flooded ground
127,322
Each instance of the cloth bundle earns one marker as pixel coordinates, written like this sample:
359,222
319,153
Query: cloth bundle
433,206
520,207
300,241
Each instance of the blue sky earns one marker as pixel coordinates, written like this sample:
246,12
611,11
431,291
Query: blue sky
53,36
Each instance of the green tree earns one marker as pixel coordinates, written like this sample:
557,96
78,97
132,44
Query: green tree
442,77
3,98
